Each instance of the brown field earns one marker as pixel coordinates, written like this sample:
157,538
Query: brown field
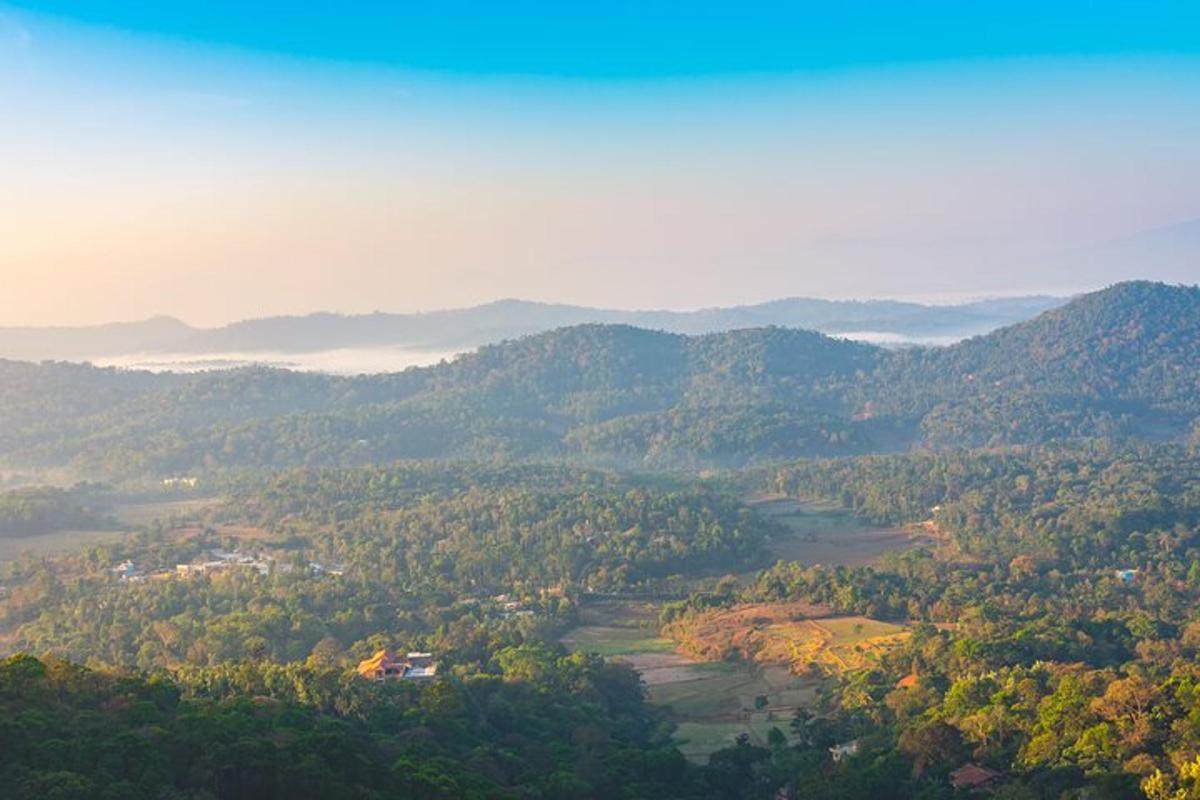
825,534
795,635
245,533
240,532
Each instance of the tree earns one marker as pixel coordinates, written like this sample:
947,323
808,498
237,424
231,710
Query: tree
934,746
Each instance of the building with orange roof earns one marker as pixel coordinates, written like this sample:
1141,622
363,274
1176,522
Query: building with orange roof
386,665
974,778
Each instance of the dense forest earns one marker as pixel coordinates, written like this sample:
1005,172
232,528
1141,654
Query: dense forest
1117,363
1081,505
529,723
416,548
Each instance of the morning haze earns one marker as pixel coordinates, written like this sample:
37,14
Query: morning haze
542,400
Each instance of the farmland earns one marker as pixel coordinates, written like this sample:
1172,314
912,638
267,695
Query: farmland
711,703
820,533
794,635
746,669
127,516
55,542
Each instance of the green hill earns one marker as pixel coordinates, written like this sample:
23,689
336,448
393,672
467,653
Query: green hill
1120,362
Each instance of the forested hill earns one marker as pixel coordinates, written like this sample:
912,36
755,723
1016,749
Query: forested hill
1121,362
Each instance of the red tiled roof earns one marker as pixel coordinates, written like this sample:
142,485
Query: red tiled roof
970,776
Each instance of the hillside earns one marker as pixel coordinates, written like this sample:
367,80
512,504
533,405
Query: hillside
1120,362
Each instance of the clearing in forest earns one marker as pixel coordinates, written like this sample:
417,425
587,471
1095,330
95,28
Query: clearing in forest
797,635
712,703
822,533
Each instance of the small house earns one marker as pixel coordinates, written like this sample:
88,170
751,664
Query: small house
385,665
840,751
974,778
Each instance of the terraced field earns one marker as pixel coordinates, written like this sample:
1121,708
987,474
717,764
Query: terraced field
794,635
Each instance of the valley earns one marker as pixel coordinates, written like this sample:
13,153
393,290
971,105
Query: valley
599,401
715,685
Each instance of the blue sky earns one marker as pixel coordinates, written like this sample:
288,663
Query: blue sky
611,40
218,160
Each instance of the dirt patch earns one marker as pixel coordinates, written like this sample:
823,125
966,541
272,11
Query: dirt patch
245,533
796,635
48,544
240,532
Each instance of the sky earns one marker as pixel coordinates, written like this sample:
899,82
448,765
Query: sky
218,160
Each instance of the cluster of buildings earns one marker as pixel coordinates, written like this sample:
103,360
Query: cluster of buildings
386,666
319,569
510,607
180,483
220,561
224,560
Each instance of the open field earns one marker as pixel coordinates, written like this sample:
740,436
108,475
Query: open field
129,516
56,542
711,702
136,514
825,534
795,635
616,641
715,677
619,628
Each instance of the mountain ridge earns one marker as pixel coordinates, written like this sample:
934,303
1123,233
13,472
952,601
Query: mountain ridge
467,328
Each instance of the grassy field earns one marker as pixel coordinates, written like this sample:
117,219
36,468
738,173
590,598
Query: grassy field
825,534
129,516
711,702
731,659
56,542
616,641
137,514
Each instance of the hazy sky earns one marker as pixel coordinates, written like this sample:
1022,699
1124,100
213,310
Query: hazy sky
218,160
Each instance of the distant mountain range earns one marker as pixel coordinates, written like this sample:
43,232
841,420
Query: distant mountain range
1115,364
1167,253
468,328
